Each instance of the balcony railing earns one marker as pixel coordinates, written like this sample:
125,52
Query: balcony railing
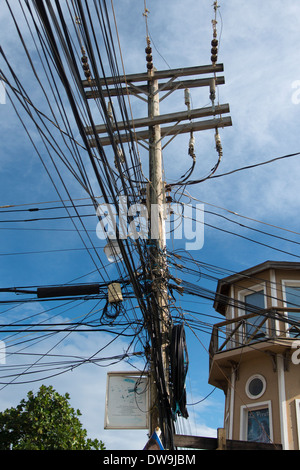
260,326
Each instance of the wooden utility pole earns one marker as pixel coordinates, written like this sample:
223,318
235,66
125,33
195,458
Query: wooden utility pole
158,264
152,87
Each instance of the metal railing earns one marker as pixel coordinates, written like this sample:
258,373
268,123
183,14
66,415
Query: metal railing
253,327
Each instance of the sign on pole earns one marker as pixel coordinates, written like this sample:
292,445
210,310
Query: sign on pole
127,401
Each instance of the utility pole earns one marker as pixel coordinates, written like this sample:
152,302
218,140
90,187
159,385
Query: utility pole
148,87
158,264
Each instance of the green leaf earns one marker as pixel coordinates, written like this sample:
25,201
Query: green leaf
46,421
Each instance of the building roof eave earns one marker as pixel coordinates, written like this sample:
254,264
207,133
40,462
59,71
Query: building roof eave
223,287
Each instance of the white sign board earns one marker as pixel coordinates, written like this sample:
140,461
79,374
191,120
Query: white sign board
127,401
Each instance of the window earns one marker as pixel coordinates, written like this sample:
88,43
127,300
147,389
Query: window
258,428
256,423
254,300
292,299
255,386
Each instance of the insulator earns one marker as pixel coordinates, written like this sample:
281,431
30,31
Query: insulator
192,142
168,187
187,98
169,199
214,58
84,59
212,89
214,50
149,58
85,67
214,42
212,85
218,143
87,74
109,110
192,145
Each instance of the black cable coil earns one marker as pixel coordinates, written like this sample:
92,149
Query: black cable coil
178,370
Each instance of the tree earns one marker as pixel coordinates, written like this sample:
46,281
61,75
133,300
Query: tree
44,421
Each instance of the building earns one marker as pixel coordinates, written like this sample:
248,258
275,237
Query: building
255,353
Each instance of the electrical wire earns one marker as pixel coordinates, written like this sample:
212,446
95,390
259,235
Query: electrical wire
61,42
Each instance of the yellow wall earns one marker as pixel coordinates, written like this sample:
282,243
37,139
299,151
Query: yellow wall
259,362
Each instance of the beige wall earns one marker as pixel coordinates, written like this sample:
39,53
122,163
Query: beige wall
262,366
261,363
292,381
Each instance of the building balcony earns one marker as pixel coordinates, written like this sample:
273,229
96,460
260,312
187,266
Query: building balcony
271,331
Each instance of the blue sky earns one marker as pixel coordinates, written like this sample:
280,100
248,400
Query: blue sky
258,47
